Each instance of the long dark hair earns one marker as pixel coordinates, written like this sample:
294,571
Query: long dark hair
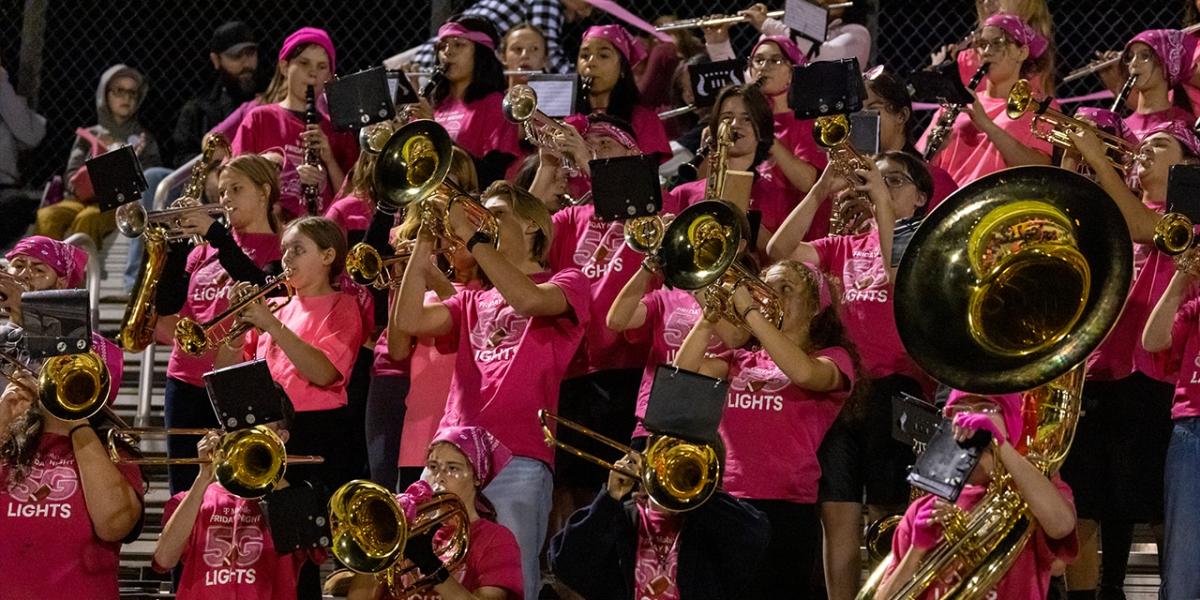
826,329
894,94
1190,14
621,100
20,444
488,74
760,114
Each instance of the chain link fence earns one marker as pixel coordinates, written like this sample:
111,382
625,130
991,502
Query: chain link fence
168,41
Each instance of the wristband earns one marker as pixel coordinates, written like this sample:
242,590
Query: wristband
746,312
480,236
71,435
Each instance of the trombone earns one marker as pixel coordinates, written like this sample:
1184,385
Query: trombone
370,531
247,462
677,474
69,386
197,338
520,106
1120,153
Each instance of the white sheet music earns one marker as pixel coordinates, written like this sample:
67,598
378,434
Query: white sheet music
555,94
806,18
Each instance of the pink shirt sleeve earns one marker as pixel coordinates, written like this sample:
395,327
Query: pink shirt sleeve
1168,363
244,140
496,562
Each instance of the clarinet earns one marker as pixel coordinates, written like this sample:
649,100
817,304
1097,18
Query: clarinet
1119,100
435,77
311,194
945,123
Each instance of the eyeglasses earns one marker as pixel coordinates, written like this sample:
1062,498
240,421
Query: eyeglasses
128,93
448,470
897,180
763,61
983,44
1144,56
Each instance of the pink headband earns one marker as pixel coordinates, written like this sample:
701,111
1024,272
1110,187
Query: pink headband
486,453
67,261
1108,121
786,46
309,35
454,29
1174,49
1180,131
1020,32
616,35
824,297
1010,406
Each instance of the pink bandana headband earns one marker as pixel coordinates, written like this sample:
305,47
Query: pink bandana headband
612,131
453,29
1174,50
1010,407
1180,131
786,46
310,35
616,35
67,261
1020,32
486,453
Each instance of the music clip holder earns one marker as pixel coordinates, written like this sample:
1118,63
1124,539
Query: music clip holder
685,404
117,177
244,395
914,421
945,465
708,78
56,322
827,87
401,89
555,93
298,517
360,99
624,187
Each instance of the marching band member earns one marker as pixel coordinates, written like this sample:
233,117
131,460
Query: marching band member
524,48
195,282
461,461
606,84
1171,334
983,139
796,385
846,36
1120,444
1160,60
515,341
1034,12
309,343
1048,498
222,560
466,99
859,452
307,58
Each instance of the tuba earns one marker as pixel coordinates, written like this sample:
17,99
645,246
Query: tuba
1052,126
677,474
832,132
69,386
370,530
160,227
1009,286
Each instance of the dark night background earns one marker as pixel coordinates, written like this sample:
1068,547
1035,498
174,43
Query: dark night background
167,40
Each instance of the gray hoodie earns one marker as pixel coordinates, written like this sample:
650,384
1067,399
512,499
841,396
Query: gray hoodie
21,128
129,133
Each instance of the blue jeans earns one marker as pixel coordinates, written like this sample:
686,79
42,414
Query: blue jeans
1181,559
154,175
522,494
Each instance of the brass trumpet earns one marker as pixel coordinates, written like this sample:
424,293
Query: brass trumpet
247,462
411,173
370,531
1121,154
366,266
677,474
197,338
520,106
69,386
1174,234
133,220
832,132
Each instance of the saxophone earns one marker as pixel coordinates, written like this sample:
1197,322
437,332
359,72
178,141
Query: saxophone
945,123
137,326
832,132
311,194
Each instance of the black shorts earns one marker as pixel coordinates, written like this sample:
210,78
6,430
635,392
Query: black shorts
860,455
1115,466
604,402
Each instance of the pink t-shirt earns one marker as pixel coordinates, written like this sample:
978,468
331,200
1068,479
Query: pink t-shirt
1181,362
969,154
273,127
509,365
768,195
657,558
797,135
50,549
1140,124
597,248
230,553
331,323
113,358
351,213
207,296
867,298
479,126
1029,576
493,560
772,429
650,133
670,315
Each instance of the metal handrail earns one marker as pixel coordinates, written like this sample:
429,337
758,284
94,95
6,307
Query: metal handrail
84,242
175,179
